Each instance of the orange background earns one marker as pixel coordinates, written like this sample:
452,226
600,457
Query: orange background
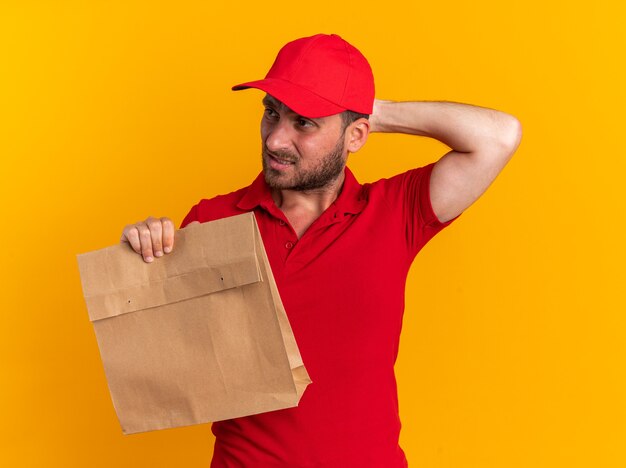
514,343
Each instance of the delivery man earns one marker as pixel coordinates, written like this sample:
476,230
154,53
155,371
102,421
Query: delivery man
340,250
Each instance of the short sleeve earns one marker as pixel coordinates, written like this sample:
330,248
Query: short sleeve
409,199
191,216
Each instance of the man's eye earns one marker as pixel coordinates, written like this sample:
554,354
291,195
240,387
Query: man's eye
304,123
270,112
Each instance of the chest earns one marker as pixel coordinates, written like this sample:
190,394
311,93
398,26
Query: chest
301,221
342,285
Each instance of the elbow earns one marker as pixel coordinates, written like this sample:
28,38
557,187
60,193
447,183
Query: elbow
511,135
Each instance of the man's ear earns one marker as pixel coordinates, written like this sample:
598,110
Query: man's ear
356,134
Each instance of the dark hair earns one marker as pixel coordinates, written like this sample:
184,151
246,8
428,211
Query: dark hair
349,116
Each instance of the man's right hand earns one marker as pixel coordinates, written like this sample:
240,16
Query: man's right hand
150,238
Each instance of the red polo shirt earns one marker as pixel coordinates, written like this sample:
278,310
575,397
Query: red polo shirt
342,284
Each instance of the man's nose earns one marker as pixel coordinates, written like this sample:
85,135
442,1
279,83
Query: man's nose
279,137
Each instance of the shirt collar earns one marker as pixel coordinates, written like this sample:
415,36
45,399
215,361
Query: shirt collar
350,200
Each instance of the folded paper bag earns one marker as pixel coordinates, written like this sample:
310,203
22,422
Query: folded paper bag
199,334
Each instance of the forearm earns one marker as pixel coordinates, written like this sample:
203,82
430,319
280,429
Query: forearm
464,128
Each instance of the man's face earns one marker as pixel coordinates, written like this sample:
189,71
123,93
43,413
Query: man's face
300,153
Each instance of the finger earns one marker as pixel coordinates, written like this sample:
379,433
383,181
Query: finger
156,233
130,235
145,239
168,234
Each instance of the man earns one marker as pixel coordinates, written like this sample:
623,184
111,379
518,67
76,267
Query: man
340,251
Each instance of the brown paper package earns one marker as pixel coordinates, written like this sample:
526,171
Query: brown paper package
198,335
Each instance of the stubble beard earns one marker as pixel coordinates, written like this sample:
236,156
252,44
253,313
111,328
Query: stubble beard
330,167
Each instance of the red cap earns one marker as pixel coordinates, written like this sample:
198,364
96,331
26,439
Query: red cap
318,76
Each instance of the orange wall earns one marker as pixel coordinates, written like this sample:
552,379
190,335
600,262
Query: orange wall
514,343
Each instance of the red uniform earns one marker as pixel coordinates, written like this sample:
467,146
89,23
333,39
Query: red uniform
342,284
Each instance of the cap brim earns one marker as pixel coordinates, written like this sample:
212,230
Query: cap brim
298,99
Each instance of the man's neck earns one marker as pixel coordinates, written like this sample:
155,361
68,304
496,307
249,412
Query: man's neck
314,201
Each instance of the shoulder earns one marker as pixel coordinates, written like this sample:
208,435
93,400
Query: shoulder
220,206
408,193
403,177
392,188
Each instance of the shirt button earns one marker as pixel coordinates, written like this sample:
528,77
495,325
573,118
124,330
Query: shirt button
289,245
281,222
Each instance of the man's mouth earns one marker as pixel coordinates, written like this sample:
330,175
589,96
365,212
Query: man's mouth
278,163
